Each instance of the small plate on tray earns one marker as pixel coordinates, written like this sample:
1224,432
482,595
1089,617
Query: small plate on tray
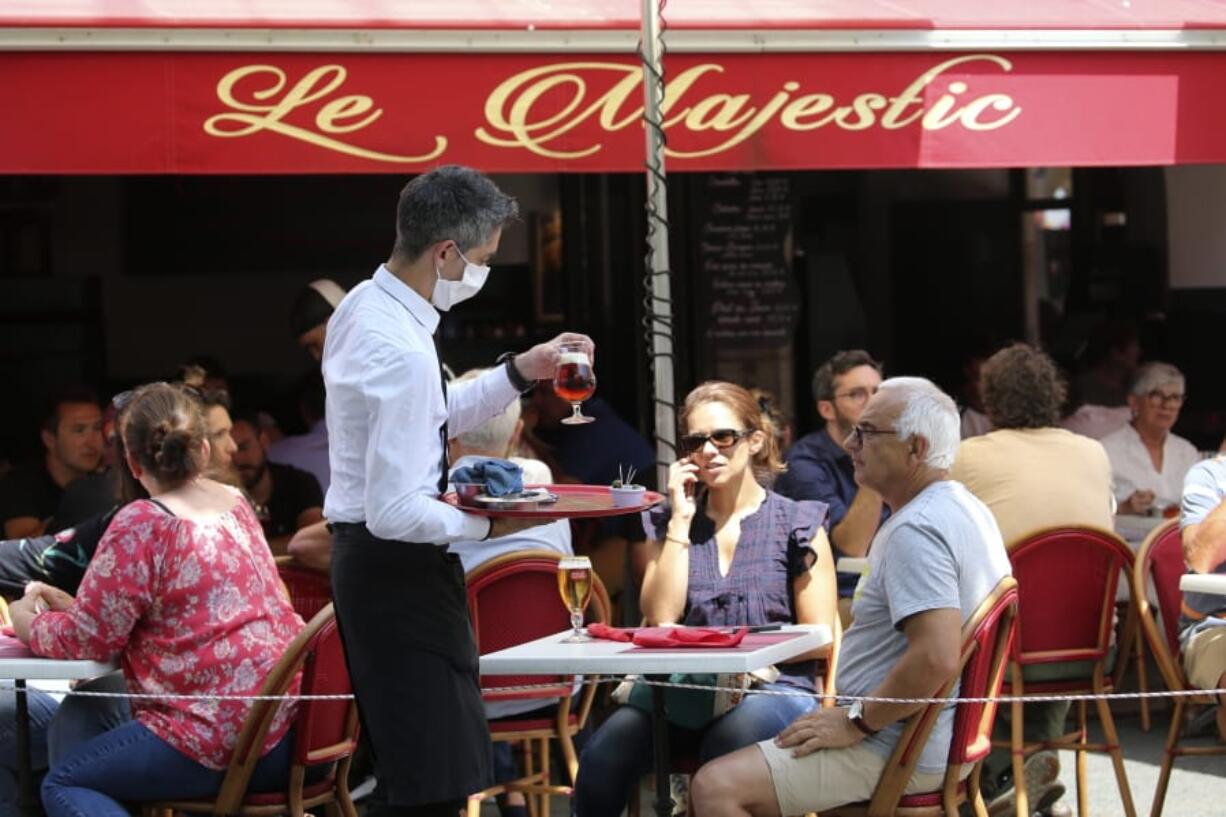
551,502
529,499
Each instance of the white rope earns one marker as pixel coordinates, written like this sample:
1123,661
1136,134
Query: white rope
793,693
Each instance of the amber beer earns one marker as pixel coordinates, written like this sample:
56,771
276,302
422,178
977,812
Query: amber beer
574,381
575,583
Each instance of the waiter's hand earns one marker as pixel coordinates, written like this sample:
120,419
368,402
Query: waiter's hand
540,362
507,526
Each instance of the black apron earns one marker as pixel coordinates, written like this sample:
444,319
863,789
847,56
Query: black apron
403,617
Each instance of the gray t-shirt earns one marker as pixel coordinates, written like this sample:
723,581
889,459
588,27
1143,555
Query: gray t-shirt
1204,487
942,550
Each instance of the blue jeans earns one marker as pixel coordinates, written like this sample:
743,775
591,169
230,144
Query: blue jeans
81,718
620,752
41,707
131,764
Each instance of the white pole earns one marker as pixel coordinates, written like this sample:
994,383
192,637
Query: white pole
660,311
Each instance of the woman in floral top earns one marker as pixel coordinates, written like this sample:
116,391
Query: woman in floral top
184,589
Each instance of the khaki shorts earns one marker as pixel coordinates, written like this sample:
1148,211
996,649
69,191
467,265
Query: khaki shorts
1204,660
832,777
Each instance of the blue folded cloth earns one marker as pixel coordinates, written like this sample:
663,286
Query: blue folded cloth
500,477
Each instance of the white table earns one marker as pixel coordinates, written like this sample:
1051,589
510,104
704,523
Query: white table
1214,583
548,656
30,668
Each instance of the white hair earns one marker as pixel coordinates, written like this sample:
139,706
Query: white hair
492,437
1152,375
930,413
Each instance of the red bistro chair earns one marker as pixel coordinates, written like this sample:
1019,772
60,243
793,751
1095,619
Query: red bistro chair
1067,578
309,590
513,599
987,641
1160,558
325,732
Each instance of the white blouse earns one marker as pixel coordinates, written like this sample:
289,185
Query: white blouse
385,409
1133,470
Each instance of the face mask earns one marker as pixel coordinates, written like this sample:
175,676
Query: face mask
449,293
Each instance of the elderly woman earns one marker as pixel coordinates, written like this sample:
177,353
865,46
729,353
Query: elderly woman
1148,462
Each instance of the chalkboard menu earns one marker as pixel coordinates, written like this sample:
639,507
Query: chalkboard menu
747,292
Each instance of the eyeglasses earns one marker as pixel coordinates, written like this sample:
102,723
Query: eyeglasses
858,433
721,438
859,395
1163,399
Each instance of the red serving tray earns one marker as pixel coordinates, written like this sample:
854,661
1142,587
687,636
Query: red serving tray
574,502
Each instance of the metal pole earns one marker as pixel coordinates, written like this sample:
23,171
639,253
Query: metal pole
659,299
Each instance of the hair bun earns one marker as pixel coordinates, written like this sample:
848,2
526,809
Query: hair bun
171,450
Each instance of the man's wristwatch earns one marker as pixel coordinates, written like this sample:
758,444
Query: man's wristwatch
518,381
855,714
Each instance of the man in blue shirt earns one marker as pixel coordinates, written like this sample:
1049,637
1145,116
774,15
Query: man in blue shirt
820,468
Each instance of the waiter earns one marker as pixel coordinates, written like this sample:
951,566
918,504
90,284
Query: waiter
399,595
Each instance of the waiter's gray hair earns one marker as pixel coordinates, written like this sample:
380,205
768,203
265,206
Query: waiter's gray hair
451,202
930,413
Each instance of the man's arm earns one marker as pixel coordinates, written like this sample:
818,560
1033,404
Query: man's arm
23,527
855,532
312,546
931,658
1204,543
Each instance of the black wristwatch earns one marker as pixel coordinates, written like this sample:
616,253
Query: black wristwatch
518,381
855,714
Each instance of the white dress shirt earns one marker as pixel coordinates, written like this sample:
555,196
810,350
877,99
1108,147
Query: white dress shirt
1133,470
384,411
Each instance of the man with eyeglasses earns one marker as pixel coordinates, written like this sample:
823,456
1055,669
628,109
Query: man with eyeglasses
1148,462
931,566
820,467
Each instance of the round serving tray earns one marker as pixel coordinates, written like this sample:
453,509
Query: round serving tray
573,502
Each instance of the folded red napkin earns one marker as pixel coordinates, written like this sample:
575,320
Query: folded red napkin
669,637
607,633
688,637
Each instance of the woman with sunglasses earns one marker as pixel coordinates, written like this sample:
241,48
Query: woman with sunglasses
184,589
726,551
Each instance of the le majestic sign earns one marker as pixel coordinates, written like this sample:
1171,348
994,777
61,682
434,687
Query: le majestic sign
401,113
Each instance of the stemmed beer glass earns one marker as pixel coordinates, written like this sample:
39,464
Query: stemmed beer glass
575,585
574,381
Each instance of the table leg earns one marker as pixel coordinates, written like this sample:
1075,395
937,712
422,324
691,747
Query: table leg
28,801
659,728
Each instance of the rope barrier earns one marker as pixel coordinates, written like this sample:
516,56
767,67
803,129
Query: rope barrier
797,693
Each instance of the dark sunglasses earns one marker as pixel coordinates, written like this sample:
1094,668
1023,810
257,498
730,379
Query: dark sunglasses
721,438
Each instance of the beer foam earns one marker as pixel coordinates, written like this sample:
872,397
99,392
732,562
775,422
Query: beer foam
572,357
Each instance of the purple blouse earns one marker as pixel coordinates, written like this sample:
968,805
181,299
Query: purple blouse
776,546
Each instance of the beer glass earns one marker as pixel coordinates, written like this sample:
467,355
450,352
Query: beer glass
574,381
575,585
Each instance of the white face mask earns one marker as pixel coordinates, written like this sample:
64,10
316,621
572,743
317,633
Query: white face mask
449,293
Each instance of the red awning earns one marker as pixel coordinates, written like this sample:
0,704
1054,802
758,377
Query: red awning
380,86
621,14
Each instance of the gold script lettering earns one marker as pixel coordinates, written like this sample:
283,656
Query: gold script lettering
534,109
268,110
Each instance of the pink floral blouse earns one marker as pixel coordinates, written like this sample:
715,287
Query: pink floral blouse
195,607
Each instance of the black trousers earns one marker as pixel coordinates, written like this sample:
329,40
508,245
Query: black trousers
403,617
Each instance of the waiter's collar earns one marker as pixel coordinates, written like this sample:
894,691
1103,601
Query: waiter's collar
418,307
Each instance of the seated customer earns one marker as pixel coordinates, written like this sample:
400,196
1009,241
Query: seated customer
1147,460
726,551
1203,523
819,464
931,565
72,436
286,499
1032,475
203,614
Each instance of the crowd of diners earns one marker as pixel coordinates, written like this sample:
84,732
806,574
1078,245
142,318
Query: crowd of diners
147,531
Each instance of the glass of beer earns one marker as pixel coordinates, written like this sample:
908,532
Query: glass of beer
575,585
574,380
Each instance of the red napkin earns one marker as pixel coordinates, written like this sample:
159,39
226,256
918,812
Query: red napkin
673,637
604,631
7,629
